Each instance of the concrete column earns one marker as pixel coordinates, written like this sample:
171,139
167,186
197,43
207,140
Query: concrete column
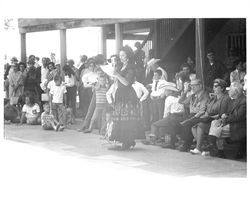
118,36
199,48
23,47
103,42
63,47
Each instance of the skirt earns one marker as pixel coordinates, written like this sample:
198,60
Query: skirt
128,124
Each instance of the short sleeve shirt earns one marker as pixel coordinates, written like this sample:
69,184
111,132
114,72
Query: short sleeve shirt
31,112
58,92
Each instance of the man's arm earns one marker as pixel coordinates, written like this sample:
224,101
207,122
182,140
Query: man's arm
50,102
109,94
145,93
184,99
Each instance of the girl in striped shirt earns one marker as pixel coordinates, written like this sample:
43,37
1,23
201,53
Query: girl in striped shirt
100,90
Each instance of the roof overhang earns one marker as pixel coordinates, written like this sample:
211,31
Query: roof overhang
27,25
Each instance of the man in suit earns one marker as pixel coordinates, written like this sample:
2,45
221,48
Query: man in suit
213,69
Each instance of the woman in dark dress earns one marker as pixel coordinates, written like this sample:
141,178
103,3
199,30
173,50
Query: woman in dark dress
126,115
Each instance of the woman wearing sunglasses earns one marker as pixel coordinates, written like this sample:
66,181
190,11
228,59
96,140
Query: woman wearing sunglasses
217,105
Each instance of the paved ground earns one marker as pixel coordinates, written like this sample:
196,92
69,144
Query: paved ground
148,159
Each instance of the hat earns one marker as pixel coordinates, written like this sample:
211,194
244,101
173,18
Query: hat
210,52
195,82
221,82
152,62
169,86
14,59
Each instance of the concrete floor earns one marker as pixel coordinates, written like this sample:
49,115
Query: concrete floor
145,159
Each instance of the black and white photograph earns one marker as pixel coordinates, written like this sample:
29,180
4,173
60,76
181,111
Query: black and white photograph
124,106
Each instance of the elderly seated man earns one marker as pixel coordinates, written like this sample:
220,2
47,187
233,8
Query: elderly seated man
197,104
232,125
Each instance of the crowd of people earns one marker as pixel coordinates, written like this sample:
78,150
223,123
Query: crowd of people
136,100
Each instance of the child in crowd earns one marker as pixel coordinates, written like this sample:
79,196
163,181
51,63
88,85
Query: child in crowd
70,118
57,99
157,96
11,113
108,126
48,120
30,112
100,89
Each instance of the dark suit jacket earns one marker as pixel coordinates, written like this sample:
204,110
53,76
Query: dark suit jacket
237,118
211,73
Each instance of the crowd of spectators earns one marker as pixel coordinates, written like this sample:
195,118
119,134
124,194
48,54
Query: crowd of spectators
136,101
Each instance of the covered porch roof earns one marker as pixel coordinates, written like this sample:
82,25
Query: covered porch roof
27,25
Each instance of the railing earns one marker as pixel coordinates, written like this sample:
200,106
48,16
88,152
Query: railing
147,44
238,42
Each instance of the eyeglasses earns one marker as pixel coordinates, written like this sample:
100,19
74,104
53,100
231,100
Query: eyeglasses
194,85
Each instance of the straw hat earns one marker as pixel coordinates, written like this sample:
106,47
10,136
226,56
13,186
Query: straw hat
152,62
170,86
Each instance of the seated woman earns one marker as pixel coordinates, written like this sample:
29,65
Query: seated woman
11,113
30,112
217,105
231,125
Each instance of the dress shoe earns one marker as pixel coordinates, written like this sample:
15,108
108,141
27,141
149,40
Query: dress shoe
195,151
87,131
184,149
169,146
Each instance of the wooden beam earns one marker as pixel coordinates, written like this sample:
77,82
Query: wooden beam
132,27
199,48
57,24
128,37
23,47
63,48
118,37
25,22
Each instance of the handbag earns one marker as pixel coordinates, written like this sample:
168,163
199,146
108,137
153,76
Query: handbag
215,128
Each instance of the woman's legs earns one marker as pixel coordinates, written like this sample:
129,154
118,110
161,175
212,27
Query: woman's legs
94,119
194,132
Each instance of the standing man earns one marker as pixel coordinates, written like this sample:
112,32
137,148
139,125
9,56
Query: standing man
139,61
213,69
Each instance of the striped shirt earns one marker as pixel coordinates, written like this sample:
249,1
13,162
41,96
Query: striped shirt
101,99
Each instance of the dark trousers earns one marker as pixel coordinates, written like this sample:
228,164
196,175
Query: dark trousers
85,95
71,98
169,125
187,135
157,107
146,113
90,112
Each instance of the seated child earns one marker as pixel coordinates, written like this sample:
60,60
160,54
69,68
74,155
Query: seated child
11,113
70,118
108,127
30,112
48,120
